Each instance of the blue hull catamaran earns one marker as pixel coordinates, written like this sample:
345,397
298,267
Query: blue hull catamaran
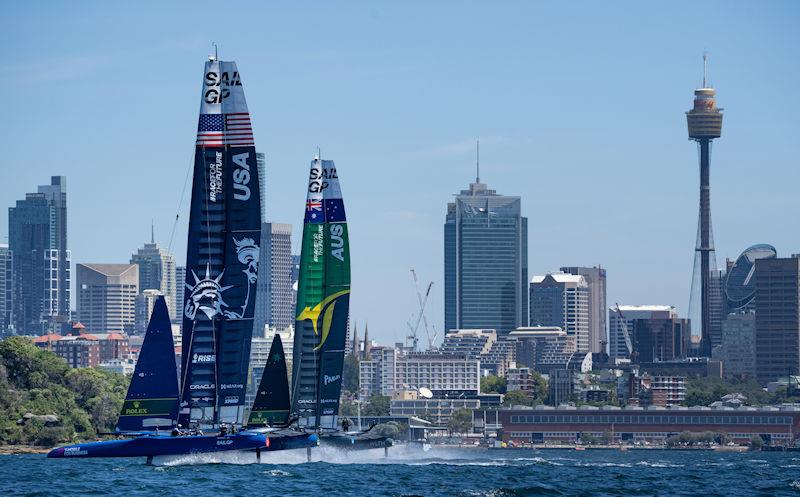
220,298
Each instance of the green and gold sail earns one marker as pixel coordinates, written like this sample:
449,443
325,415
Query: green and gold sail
323,301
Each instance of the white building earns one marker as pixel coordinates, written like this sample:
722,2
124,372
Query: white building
377,375
107,297
274,306
560,299
617,348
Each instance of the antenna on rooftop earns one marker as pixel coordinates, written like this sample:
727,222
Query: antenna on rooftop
478,162
705,69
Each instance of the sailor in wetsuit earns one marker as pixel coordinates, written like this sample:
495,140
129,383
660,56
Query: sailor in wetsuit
223,430
345,425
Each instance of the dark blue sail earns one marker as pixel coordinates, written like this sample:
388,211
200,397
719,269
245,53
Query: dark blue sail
152,400
271,406
221,256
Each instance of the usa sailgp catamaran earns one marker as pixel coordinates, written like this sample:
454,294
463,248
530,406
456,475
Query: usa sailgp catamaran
323,304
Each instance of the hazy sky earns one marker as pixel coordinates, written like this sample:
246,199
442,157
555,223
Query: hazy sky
579,109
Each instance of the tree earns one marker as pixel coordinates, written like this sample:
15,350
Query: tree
493,384
756,442
350,379
377,405
539,387
461,422
517,398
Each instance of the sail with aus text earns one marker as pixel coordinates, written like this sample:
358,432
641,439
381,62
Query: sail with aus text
323,301
221,256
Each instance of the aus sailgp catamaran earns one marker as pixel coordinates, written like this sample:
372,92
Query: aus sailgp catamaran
220,298
323,303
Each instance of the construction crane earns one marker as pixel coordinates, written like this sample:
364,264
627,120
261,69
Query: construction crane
420,318
625,334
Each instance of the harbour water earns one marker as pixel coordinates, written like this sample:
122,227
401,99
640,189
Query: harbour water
439,472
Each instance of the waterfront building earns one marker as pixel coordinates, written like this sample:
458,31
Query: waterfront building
124,366
41,277
438,371
6,289
274,286
485,261
777,318
377,375
156,267
596,281
621,320
107,296
738,350
664,391
776,425
438,410
145,302
180,283
560,299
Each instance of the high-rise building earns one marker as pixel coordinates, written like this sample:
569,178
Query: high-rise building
41,264
274,286
180,288
560,299
145,302
777,318
6,293
261,163
661,339
472,343
738,351
485,261
596,279
107,296
295,277
157,272
621,321
705,124
377,375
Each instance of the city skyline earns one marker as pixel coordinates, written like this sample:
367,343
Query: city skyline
628,175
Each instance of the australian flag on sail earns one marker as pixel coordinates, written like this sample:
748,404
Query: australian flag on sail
314,213
334,210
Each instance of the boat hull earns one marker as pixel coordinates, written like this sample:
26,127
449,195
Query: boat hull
288,441
355,442
162,445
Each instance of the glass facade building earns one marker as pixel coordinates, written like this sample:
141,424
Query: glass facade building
486,261
41,278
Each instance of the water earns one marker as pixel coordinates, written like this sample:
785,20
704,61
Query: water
440,472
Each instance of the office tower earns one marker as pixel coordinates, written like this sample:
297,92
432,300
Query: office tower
777,318
485,261
145,302
274,286
560,299
705,124
41,265
6,293
261,163
738,351
107,296
660,339
180,288
157,272
621,322
596,279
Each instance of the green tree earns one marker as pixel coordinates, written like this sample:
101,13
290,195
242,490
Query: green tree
377,405
493,384
539,388
350,379
461,422
756,442
517,398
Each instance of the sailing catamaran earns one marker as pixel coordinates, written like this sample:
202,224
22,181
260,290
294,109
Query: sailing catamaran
219,295
323,302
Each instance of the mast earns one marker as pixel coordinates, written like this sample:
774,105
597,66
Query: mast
222,254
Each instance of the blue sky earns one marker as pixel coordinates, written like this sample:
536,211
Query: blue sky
579,109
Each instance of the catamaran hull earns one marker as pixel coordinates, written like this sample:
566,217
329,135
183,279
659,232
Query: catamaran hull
161,445
348,442
288,442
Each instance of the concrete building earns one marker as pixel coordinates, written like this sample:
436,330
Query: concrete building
664,391
520,379
501,356
78,351
6,289
180,283
377,375
274,287
438,372
41,278
472,343
157,272
738,351
145,302
560,299
107,296
777,318
486,261
622,319
596,280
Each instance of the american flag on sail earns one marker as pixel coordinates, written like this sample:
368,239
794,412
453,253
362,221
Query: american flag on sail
217,130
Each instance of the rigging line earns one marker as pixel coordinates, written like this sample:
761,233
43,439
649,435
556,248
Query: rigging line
180,204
